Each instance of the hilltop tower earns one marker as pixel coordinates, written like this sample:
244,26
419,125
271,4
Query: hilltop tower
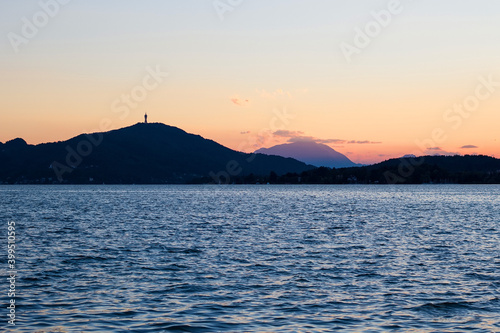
145,118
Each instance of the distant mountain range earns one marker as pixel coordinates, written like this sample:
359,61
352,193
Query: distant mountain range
161,154
143,154
310,152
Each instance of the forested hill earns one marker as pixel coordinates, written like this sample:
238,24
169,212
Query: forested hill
468,169
140,154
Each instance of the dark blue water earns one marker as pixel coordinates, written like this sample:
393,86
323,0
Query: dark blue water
255,258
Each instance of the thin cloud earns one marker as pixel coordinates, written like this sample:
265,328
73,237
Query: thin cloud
288,134
469,147
364,142
246,132
435,148
328,141
239,101
302,139
298,136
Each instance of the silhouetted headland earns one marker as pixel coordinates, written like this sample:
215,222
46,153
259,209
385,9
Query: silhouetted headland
145,153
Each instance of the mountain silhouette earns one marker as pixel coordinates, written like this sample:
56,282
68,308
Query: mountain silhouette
468,169
152,153
310,152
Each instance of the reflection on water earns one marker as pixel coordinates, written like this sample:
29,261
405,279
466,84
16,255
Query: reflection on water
256,258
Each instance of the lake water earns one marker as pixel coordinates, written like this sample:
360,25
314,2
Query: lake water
254,258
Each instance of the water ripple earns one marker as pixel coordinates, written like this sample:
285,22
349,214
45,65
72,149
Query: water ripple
256,258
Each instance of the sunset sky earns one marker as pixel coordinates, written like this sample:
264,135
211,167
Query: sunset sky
373,79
